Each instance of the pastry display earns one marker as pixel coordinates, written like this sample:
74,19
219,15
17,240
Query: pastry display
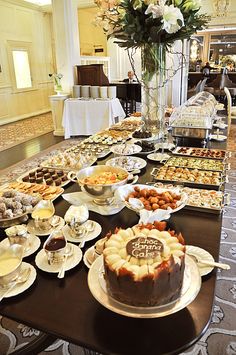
189,175
153,200
196,163
142,134
127,162
14,203
46,176
69,160
207,199
147,147
44,192
128,124
200,152
126,149
144,266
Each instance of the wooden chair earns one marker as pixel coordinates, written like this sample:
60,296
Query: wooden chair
229,106
195,90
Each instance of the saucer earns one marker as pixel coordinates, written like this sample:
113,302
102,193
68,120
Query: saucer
88,258
90,236
73,260
201,254
34,245
220,125
32,229
21,287
218,137
158,157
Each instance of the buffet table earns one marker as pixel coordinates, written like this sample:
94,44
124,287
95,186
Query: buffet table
65,308
85,117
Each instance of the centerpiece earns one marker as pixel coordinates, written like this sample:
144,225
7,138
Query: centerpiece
153,26
57,82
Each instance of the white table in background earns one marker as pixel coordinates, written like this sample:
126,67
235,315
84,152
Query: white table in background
85,117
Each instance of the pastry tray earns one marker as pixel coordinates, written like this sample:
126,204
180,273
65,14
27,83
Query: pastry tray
190,183
63,183
44,191
178,165
189,149
223,199
47,164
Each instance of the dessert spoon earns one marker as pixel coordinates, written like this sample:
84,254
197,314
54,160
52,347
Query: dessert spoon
21,278
209,263
61,272
90,226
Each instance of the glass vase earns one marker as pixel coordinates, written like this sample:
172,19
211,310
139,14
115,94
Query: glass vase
153,87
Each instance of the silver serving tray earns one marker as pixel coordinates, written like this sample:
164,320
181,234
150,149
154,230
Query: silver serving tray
199,133
191,184
176,152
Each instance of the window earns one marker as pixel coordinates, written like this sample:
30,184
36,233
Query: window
21,62
22,69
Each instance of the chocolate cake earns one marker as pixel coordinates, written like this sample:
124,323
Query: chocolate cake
144,267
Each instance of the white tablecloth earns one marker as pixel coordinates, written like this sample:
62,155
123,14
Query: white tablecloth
83,117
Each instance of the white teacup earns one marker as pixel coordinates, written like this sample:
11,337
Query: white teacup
76,216
18,234
42,214
56,247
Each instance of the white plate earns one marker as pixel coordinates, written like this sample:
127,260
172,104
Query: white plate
21,287
165,145
122,192
34,245
219,137
90,236
220,125
123,149
190,289
127,163
201,254
88,257
158,157
32,228
73,260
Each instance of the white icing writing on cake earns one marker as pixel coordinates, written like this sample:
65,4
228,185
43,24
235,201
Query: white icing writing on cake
144,247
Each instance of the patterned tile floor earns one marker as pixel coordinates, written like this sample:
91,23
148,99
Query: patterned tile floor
24,130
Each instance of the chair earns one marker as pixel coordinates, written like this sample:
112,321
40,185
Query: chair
203,83
195,90
229,107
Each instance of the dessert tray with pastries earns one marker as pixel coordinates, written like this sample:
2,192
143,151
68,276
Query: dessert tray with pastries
202,200
69,160
15,206
98,150
128,163
42,191
138,197
48,176
144,272
129,124
197,163
201,152
189,177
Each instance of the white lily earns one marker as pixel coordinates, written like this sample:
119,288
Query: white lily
170,19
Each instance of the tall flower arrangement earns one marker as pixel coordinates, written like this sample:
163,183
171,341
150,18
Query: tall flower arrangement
153,26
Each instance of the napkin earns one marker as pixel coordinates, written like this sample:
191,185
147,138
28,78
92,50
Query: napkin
151,216
78,198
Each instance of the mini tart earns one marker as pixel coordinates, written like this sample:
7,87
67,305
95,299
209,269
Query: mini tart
144,267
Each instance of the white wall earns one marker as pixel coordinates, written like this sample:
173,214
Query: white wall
22,24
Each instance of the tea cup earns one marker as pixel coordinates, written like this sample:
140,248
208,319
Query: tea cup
42,214
10,264
18,234
56,247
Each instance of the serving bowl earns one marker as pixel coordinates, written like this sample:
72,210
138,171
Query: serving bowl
8,222
102,193
136,204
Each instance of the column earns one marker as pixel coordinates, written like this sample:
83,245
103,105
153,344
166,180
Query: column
57,106
66,37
